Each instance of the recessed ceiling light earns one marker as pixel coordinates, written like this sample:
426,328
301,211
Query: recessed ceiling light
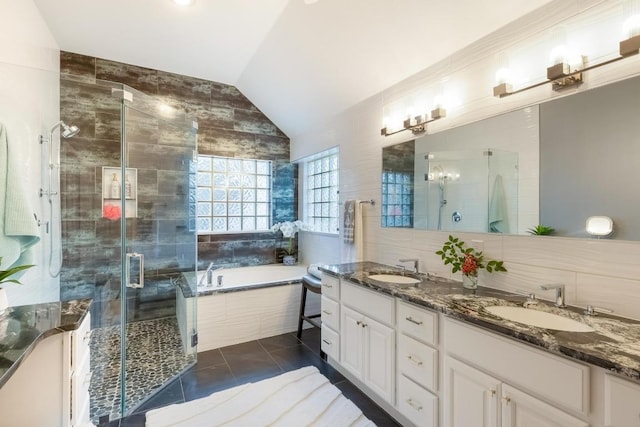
184,2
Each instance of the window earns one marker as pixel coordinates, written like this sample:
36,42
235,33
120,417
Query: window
233,194
321,191
397,199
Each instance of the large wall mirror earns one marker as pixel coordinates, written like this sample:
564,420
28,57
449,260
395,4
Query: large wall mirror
554,164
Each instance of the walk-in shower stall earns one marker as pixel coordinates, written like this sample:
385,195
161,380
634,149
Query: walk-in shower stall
127,191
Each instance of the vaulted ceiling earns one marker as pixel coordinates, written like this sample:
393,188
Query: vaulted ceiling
299,63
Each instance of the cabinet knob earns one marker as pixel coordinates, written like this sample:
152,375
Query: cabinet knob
414,405
506,400
359,323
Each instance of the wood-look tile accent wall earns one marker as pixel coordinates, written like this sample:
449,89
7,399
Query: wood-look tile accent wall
228,125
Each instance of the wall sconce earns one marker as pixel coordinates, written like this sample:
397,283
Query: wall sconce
417,124
567,71
599,226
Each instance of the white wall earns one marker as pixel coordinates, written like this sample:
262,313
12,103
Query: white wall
603,273
29,106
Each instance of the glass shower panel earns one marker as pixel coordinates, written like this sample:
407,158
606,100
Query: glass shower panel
156,182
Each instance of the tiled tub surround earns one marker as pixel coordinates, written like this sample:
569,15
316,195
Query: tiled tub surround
614,345
22,327
228,125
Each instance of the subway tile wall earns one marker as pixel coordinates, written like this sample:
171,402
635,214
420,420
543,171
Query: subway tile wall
228,125
603,273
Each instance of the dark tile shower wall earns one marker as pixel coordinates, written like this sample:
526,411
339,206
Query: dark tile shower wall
229,125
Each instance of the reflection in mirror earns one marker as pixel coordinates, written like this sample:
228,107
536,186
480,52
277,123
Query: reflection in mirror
397,185
458,186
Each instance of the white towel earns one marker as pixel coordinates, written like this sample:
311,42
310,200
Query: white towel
498,217
18,227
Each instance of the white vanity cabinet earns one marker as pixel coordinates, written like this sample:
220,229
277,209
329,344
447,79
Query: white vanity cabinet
417,364
367,344
330,316
486,375
51,385
621,402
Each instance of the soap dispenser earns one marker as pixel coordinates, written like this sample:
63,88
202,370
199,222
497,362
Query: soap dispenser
115,187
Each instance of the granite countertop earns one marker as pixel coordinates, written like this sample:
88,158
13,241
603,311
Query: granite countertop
614,345
22,327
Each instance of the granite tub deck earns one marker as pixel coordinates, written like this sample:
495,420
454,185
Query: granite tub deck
21,328
614,345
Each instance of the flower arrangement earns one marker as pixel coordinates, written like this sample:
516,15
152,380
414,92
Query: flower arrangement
289,230
467,260
5,274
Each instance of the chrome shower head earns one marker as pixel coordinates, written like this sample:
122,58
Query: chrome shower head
66,131
69,131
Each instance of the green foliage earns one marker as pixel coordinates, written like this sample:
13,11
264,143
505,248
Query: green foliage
541,230
4,274
455,253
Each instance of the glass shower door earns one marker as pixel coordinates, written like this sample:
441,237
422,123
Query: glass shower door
159,245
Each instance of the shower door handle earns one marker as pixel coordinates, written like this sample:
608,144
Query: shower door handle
140,282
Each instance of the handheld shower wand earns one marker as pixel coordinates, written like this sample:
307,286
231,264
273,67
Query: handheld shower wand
65,132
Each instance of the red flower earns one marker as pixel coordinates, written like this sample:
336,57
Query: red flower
470,265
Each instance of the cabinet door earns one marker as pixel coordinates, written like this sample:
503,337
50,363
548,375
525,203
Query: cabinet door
622,403
520,409
379,361
471,396
351,340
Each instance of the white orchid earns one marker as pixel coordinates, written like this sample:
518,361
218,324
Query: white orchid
289,230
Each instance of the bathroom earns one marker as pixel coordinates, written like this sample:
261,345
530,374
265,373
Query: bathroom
49,83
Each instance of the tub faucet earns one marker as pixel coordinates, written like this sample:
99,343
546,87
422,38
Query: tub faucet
416,263
560,296
208,275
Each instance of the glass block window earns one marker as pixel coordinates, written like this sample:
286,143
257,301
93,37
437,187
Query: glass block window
397,199
233,194
321,191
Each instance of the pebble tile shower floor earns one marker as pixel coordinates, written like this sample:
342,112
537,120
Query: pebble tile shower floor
154,356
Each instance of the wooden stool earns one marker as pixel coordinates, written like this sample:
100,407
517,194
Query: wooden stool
314,285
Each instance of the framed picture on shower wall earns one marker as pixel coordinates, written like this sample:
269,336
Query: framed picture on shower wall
112,190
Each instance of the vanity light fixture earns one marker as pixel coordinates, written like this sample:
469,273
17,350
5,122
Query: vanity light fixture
569,73
417,124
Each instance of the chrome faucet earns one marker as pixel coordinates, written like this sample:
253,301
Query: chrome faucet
560,295
416,263
208,275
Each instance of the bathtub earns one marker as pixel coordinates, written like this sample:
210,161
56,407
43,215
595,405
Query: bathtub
242,278
252,303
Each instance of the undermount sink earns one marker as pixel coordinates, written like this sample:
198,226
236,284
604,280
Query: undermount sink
538,318
393,278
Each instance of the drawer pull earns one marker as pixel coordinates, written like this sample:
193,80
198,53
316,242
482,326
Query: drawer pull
414,405
506,400
415,322
326,342
326,312
414,360
327,286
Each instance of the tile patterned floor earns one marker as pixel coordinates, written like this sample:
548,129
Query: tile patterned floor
154,356
252,361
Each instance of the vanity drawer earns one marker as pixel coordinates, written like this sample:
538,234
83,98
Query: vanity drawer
418,362
376,306
416,403
418,323
330,287
330,313
330,342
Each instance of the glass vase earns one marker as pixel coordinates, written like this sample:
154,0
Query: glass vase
470,281
289,260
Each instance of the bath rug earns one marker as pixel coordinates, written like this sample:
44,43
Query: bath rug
303,397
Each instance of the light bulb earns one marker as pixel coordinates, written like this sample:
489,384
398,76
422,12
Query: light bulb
503,75
631,26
